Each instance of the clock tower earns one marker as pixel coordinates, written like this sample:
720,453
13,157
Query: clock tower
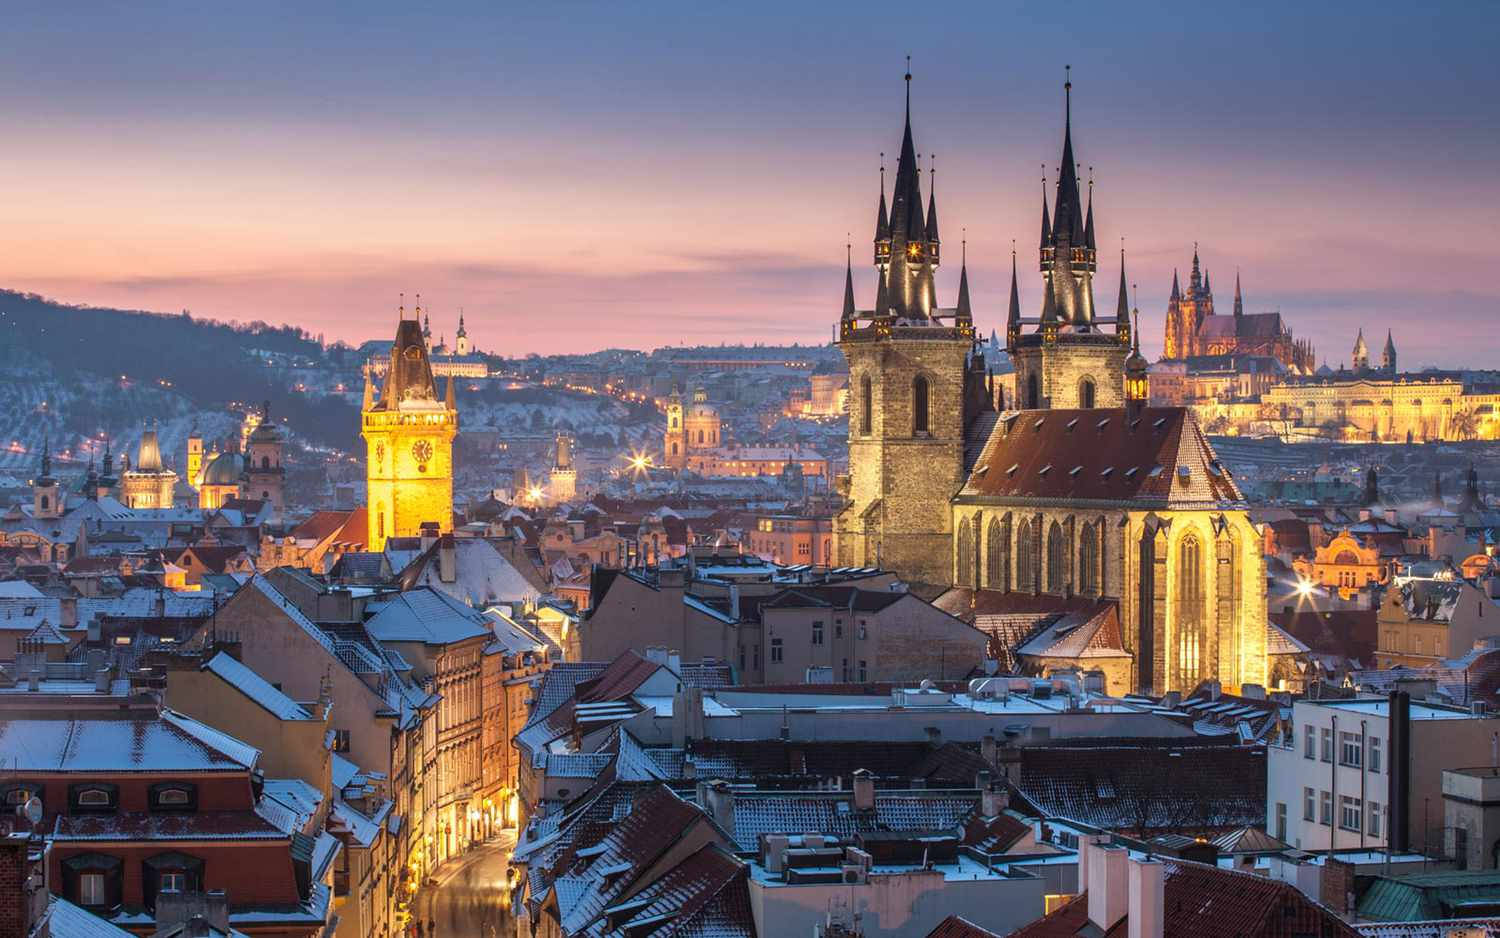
408,432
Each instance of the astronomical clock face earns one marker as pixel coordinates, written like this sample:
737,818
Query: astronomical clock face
421,451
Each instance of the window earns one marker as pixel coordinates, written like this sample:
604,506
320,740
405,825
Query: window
174,796
93,798
965,560
1033,392
1281,820
1026,558
18,793
1190,612
997,555
1309,742
1086,393
340,740
1375,754
866,405
1350,751
1088,558
1373,827
1325,809
173,882
1309,806
862,672
91,889
1057,564
919,395
775,649
1326,736
838,628
817,633
1351,813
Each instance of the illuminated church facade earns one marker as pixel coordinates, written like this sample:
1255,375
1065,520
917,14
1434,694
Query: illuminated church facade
1109,527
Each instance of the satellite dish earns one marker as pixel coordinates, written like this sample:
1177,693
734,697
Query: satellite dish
32,810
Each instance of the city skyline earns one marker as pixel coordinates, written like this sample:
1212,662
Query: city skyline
569,191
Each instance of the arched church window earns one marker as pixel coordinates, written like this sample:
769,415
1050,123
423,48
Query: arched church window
965,554
1088,559
1057,553
265,462
997,555
674,448
1026,558
919,395
866,407
1033,392
1190,612
700,436
1086,393
46,503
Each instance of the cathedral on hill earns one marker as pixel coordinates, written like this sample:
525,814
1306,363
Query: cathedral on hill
1085,531
1193,330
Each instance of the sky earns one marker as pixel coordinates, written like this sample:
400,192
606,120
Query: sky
576,176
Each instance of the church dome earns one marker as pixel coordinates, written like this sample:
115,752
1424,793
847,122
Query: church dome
226,469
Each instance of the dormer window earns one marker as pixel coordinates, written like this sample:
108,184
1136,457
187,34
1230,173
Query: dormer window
93,798
174,796
16,794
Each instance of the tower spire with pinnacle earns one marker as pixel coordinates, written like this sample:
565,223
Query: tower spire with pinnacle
848,314
882,223
964,313
1013,316
1239,299
1195,281
1122,307
1046,221
932,222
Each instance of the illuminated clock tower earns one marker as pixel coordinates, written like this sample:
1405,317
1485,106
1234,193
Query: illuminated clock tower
408,432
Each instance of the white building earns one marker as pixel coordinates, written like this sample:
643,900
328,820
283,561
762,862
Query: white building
1352,771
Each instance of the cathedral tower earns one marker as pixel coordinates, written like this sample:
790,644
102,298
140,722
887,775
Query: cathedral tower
915,382
674,441
46,493
1069,361
563,484
148,484
408,432
461,338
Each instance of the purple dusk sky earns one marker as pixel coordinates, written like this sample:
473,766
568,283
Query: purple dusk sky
579,176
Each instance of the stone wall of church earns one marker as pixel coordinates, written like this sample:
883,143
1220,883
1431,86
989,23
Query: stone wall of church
1060,370
901,476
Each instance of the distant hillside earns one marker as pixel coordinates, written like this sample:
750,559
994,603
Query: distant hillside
209,364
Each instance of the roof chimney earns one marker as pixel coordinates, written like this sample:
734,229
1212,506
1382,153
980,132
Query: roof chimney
1109,886
447,559
864,790
101,681
1147,900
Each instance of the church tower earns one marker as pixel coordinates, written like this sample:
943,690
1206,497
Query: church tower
1069,361
562,485
195,457
408,432
461,338
46,493
916,381
674,441
1361,354
265,477
1388,355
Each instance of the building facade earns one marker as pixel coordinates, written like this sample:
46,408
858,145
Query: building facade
147,484
1193,330
408,432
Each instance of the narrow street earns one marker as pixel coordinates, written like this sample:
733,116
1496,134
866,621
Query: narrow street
471,899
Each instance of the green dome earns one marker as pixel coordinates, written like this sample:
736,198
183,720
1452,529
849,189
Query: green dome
226,469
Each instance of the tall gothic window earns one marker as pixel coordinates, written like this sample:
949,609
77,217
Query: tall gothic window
1033,392
1190,612
965,554
1057,553
866,404
1088,559
1086,393
997,555
919,423
1026,558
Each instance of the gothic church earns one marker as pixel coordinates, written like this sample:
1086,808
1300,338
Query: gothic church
1107,528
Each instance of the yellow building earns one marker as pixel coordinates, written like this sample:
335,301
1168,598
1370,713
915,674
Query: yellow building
147,484
690,429
408,433
1344,564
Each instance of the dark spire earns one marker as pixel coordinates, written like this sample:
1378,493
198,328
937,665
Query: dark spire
1471,502
1372,488
1195,282
848,283
1122,308
964,312
882,295
1437,488
1046,222
932,225
1239,299
1088,226
1176,290
1068,216
883,220
906,197
1013,316
46,459
909,279
1206,288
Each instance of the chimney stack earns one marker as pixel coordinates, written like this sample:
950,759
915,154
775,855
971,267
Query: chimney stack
1147,900
864,790
1109,886
447,559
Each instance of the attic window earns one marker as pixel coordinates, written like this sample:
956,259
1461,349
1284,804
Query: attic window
982,470
1159,423
1072,423
1105,472
1044,470
1039,422
1135,423
1184,474
1130,473
1012,470
1102,424
1155,471
1075,470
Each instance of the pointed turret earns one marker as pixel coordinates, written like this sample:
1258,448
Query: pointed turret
1137,382
1388,356
369,389
1176,289
882,223
1239,299
964,312
1122,306
1046,221
1088,226
1471,501
1372,488
932,223
1195,279
1013,316
909,281
1208,290
1068,216
848,314
1361,356
46,475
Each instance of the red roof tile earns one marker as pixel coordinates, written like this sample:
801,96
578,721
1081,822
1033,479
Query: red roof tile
1160,459
957,927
